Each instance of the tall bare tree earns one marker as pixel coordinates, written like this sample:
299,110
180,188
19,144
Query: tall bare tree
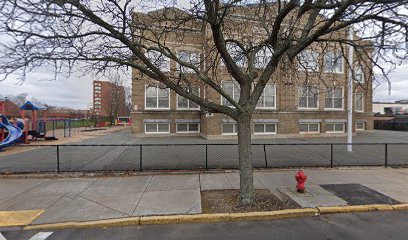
117,96
108,34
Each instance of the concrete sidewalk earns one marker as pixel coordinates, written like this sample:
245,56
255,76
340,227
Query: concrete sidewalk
85,199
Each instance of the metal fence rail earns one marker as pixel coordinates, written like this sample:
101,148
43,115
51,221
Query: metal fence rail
144,157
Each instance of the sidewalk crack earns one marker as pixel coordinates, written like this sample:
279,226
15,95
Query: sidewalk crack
147,185
104,206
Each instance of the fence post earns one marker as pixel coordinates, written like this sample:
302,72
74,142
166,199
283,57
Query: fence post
140,157
386,155
331,155
58,160
266,160
206,156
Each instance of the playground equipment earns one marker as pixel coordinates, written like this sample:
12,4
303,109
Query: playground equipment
37,127
14,132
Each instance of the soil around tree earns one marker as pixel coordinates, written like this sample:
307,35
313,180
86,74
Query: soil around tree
227,201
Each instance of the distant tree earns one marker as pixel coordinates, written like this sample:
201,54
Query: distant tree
117,96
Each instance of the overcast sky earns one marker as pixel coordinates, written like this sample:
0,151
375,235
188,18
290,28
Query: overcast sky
76,91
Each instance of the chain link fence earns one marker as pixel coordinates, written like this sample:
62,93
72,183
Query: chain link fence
145,157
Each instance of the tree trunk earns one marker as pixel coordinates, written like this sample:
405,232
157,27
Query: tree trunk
245,159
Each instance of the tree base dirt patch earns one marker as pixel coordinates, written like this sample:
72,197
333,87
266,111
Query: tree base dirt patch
227,201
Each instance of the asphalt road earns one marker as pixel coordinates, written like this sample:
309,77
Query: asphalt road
370,226
183,157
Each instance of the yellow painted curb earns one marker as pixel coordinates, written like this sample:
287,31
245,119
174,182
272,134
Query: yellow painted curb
196,218
355,208
403,206
121,222
272,215
18,218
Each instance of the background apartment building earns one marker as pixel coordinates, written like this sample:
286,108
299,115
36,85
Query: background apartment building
294,103
109,99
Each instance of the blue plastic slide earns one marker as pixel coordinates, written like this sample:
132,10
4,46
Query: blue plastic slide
14,133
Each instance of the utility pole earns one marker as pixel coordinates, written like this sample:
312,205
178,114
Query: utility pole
350,96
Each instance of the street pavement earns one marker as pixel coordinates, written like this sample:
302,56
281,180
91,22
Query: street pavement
80,158
84,199
346,226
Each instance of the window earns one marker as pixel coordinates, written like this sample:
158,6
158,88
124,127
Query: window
267,99
262,57
308,97
184,103
309,60
335,127
159,60
188,127
157,98
359,102
334,98
188,57
264,128
236,54
229,129
232,89
309,127
360,126
333,62
97,91
157,128
359,75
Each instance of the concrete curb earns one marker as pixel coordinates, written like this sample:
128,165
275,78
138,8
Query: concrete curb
219,217
355,208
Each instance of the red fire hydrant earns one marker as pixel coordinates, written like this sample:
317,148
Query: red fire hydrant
301,180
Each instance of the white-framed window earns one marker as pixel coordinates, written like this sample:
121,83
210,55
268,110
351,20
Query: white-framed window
188,57
360,126
159,60
188,127
309,60
264,128
186,104
263,56
232,89
97,91
157,127
309,128
308,97
236,54
157,98
359,102
229,128
335,127
268,98
333,98
359,75
333,62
